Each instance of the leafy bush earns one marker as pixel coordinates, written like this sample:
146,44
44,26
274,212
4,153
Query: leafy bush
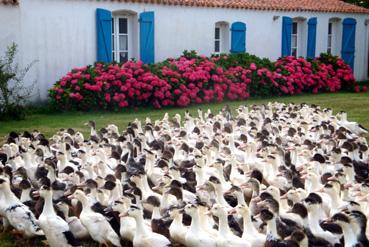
13,93
194,79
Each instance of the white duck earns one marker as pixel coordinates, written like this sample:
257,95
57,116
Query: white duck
250,234
56,230
226,237
143,237
95,223
196,236
127,224
18,214
177,230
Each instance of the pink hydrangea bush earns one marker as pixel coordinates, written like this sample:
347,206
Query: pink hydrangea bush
192,79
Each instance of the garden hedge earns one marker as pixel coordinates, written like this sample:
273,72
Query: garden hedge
193,79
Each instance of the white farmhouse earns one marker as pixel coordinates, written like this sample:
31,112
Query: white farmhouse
63,34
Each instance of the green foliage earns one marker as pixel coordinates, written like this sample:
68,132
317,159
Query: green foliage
13,93
243,60
190,54
361,3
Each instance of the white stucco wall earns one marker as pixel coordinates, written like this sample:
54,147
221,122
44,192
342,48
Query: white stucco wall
61,34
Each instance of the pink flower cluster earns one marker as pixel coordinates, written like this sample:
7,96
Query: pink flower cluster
186,80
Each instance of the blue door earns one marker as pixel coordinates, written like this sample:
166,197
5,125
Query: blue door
238,37
348,41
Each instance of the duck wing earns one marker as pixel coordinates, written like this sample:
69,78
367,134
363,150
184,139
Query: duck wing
21,218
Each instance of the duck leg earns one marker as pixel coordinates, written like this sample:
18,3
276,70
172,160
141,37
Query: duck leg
107,244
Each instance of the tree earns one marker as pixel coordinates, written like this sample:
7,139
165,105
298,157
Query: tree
362,3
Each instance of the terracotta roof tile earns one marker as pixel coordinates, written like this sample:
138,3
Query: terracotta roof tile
9,2
276,5
337,6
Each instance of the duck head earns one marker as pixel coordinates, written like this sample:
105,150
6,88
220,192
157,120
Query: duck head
133,212
45,191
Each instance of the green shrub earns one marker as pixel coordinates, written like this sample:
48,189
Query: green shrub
13,93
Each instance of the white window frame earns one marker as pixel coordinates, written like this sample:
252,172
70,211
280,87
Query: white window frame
296,36
330,38
115,38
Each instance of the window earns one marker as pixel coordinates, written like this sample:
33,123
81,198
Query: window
120,39
217,40
221,37
329,46
334,37
294,44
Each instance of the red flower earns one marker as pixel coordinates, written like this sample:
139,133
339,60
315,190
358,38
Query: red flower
107,97
253,66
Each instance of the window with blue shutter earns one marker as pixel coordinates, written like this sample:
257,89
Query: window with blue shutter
311,43
348,41
147,48
286,36
238,37
104,35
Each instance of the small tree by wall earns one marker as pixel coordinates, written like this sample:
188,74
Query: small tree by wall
13,93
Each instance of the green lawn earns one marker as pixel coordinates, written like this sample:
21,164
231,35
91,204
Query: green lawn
356,105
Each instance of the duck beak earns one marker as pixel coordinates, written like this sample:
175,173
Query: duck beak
200,188
257,199
303,172
244,186
123,214
71,197
320,190
208,213
232,211
362,199
228,192
36,193
284,196
156,188
348,185
327,221
108,209
331,178
356,187
287,238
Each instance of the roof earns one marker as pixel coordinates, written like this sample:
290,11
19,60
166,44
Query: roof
10,2
336,6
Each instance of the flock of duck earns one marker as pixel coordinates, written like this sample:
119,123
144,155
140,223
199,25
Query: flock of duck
268,175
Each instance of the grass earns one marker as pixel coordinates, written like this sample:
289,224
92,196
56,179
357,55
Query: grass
356,105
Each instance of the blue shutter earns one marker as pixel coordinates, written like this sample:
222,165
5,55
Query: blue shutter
311,43
286,36
104,35
147,48
348,41
238,37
